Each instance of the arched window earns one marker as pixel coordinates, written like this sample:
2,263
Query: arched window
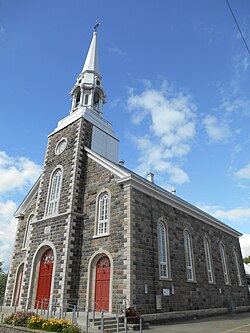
189,256
78,97
54,192
224,264
26,233
164,264
237,267
209,263
103,214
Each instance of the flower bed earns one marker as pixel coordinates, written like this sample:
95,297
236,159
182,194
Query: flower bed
31,320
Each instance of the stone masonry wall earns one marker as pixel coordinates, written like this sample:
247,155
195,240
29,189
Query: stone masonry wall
98,178
187,295
19,254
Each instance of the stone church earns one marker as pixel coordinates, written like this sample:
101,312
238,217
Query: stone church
94,233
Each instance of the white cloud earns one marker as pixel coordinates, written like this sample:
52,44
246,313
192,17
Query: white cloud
236,215
168,119
118,51
16,173
7,231
216,130
245,245
247,268
243,173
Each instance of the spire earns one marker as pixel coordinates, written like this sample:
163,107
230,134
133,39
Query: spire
91,62
88,90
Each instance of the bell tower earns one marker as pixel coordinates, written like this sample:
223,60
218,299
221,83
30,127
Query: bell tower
88,90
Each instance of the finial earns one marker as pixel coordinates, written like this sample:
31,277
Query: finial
96,25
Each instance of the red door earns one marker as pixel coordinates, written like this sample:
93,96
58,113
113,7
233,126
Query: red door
102,284
44,280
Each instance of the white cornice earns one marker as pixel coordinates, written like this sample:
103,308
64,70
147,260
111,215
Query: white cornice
176,202
21,209
89,115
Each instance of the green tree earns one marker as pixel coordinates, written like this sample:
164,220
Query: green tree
3,281
247,260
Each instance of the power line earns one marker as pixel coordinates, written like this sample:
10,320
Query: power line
238,27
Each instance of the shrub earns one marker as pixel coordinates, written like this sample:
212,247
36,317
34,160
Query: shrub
19,318
71,329
133,316
35,322
55,325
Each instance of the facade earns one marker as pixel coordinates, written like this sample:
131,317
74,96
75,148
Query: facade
93,233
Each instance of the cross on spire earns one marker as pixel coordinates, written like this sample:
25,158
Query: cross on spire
96,25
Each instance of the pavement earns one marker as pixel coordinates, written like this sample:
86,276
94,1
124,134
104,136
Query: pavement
233,323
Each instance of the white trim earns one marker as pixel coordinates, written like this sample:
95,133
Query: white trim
97,213
58,143
29,197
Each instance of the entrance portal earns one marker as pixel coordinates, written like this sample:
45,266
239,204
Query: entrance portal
102,284
44,280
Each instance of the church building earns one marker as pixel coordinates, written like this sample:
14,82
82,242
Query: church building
92,232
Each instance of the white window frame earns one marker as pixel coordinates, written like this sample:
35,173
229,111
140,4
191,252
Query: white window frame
189,256
209,260
163,250
103,214
27,230
224,264
237,267
54,192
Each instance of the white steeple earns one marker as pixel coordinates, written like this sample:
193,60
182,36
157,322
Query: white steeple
88,90
88,98
91,62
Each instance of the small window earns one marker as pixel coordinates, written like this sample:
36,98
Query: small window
86,99
164,264
237,267
224,264
54,192
96,100
208,257
189,256
78,97
103,214
26,233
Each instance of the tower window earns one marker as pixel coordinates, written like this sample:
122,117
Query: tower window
86,99
96,100
54,192
102,221
78,96
98,82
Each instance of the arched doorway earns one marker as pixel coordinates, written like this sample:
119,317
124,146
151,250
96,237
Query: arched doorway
102,284
44,280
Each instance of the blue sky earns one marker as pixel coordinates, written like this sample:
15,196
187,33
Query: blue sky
176,75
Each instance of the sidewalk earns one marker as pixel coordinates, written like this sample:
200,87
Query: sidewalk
233,323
